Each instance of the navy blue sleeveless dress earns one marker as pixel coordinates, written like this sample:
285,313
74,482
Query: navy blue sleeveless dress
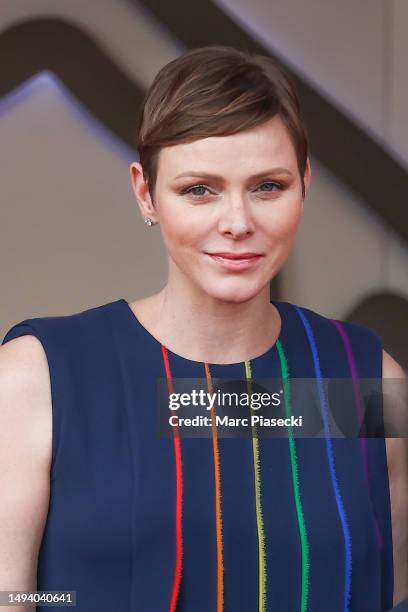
139,522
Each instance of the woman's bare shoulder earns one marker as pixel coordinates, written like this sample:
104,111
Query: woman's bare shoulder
25,455
25,395
397,460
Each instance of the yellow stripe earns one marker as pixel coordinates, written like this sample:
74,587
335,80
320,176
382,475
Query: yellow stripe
258,505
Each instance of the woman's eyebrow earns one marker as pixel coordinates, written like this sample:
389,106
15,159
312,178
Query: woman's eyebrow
210,175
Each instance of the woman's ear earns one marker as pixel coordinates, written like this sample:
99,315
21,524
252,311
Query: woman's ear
307,175
306,180
141,191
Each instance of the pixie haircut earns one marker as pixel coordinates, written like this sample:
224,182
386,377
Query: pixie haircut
216,91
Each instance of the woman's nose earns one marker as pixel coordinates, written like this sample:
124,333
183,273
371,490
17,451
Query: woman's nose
236,218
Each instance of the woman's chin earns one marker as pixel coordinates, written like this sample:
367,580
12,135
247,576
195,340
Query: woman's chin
235,292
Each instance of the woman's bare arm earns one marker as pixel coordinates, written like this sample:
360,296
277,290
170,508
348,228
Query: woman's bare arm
397,459
25,459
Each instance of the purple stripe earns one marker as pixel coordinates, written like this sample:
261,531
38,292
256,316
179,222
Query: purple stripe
360,410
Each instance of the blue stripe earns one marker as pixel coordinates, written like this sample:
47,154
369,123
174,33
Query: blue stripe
330,456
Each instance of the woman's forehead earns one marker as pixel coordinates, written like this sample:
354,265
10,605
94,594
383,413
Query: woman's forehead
265,144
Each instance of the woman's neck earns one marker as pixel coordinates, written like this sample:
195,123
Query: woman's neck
212,331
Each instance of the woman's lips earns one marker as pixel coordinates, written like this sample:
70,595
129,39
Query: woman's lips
235,264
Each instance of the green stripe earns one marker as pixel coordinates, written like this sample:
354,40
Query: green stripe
295,480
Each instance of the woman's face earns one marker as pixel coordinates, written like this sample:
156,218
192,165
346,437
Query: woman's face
231,194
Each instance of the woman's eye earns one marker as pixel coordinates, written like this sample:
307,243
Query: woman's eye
196,190
270,186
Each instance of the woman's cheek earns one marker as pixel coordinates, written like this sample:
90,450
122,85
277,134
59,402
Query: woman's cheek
284,226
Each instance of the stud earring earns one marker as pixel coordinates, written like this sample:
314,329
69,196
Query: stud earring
149,222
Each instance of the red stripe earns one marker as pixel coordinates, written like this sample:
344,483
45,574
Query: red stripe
179,496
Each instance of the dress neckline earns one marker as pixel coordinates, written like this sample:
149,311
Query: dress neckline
136,324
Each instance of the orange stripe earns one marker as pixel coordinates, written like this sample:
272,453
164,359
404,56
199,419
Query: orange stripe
179,495
218,516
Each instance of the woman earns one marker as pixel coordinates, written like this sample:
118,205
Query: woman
138,521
